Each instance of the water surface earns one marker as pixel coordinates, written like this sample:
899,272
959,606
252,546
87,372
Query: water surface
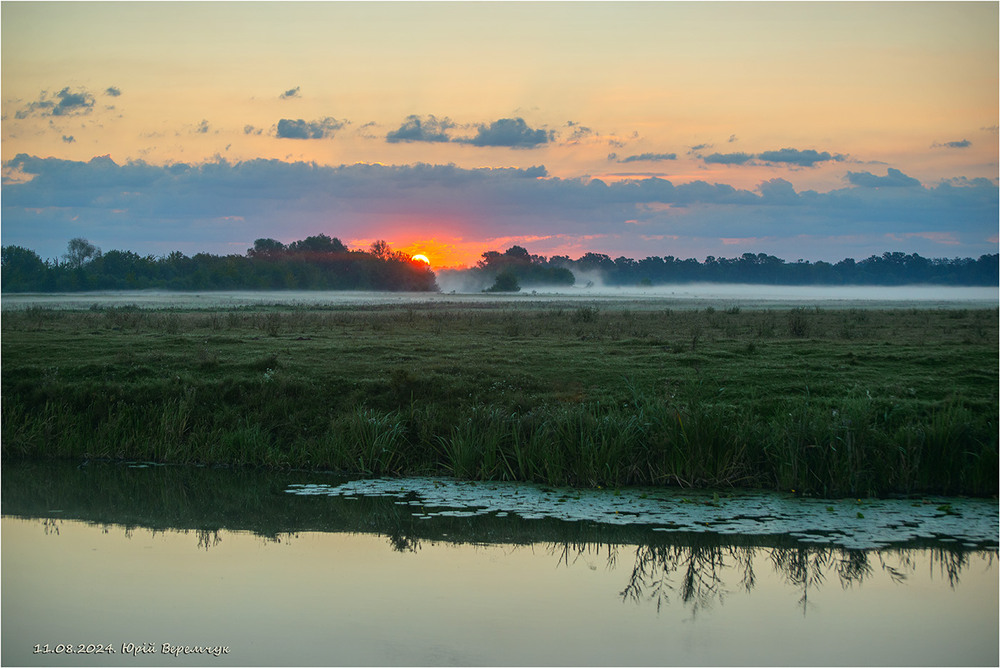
111,554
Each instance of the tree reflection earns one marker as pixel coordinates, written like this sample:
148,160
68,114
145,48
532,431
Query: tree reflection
50,526
208,538
693,573
701,575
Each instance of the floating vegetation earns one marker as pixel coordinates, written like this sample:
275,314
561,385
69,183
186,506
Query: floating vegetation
816,521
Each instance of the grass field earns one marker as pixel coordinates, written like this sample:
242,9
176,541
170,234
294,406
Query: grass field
836,402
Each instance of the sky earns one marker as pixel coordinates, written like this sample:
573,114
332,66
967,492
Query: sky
815,131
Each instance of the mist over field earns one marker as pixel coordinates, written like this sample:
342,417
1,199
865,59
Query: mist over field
592,284
455,291
808,293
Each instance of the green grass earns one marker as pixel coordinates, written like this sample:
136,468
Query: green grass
819,401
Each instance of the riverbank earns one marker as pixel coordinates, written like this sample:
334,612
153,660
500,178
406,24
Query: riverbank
834,402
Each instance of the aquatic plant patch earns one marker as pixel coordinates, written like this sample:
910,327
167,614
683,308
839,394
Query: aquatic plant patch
857,524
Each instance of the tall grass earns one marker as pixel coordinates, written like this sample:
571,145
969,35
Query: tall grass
580,397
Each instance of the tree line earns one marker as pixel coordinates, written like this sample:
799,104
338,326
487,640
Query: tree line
324,263
314,263
516,267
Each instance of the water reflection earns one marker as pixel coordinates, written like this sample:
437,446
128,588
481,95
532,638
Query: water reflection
453,589
696,575
662,567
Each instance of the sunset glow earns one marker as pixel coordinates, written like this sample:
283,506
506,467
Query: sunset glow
421,258
805,130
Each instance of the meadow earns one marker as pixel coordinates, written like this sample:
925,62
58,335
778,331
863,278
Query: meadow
850,402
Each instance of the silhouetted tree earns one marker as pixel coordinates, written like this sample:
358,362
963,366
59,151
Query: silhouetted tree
318,244
22,269
506,282
263,248
79,251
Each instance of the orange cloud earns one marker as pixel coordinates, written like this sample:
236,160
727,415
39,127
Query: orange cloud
946,238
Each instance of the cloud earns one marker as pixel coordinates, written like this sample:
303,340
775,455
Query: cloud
650,157
510,132
202,127
300,129
893,179
699,147
965,143
728,158
778,191
965,182
70,103
292,92
69,139
791,156
806,158
580,132
945,238
214,206
64,103
414,128
113,91
251,130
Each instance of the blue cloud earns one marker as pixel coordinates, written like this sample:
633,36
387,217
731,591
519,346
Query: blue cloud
965,143
728,158
806,158
291,92
64,103
418,129
579,133
650,157
510,132
70,103
217,206
893,179
300,129
778,191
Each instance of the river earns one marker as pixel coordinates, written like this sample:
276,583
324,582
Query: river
134,564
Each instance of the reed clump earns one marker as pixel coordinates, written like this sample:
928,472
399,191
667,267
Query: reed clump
905,403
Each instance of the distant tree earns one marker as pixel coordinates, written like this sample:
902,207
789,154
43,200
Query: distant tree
595,262
324,263
20,268
318,244
381,249
491,259
517,255
265,248
79,251
506,282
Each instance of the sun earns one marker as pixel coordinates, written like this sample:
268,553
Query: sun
420,258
